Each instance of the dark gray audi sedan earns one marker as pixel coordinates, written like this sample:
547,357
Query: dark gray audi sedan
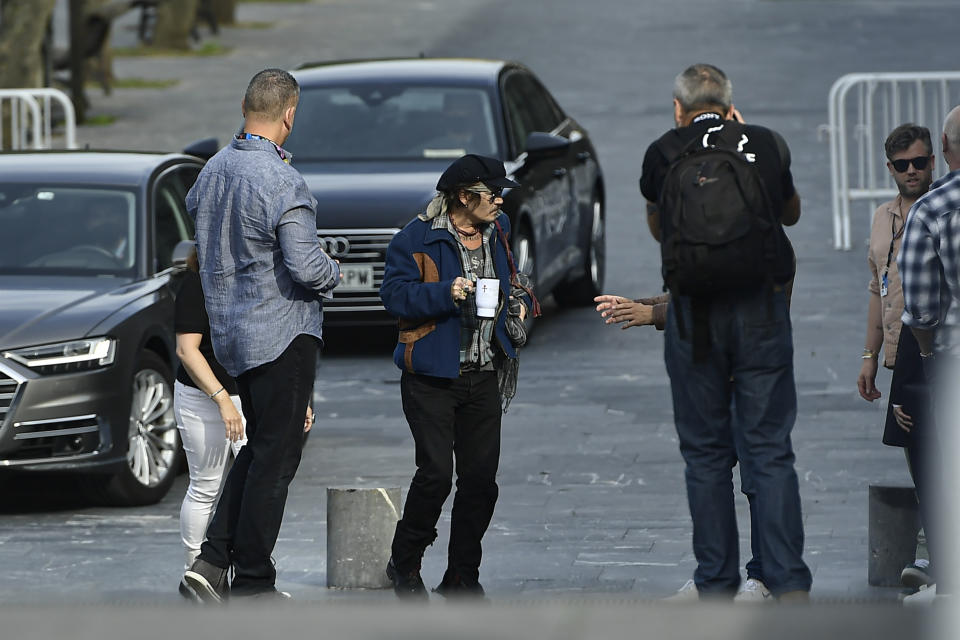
86,316
372,137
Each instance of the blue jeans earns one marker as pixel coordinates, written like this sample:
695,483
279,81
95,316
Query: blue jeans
719,423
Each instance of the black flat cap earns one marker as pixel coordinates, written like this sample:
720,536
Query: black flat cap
470,169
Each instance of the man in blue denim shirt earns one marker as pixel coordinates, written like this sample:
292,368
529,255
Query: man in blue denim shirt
263,274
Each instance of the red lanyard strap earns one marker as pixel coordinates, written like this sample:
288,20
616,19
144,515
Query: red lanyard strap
514,279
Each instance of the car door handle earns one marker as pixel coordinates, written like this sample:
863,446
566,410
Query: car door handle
583,156
559,172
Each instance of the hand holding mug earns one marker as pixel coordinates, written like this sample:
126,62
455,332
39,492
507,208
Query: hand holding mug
460,288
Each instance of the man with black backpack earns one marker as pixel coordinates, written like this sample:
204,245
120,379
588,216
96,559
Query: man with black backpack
718,194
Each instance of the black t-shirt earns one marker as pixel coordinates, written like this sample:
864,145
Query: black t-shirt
772,159
191,317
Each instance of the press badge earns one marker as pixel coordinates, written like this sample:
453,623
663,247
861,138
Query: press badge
883,284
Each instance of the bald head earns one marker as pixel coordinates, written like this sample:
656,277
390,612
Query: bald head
951,139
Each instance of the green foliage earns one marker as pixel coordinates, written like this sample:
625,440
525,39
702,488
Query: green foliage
144,83
211,48
100,120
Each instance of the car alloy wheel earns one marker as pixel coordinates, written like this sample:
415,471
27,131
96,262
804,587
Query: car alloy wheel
585,287
525,259
523,253
153,430
596,246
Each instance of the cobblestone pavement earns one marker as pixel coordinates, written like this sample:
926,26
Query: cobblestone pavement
592,498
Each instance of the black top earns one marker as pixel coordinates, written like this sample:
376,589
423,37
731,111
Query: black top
773,163
191,317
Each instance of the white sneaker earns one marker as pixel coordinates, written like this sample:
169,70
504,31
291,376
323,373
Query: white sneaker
753,590
687,593
922,598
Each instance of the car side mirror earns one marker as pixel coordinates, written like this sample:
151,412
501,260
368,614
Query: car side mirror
180,254
546,144
205,148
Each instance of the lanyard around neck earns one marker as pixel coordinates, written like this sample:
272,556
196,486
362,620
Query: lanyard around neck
894,234
252,136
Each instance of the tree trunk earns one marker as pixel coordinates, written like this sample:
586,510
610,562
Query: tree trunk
100,67
174,20
225,11
22,28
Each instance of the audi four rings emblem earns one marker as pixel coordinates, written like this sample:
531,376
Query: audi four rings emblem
335,246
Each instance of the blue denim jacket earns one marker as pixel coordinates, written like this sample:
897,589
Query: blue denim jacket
261,265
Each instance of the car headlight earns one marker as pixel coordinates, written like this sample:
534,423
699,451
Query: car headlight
67,357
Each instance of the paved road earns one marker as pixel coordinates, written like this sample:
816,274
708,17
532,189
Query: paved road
592,498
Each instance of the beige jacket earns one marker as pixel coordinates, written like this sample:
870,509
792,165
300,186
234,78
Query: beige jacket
887,221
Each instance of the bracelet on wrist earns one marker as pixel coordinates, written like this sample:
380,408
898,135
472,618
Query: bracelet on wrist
868,354
926,355
214,394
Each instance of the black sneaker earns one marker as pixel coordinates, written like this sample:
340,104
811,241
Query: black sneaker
207,583
408,585
453,586
916,575
187,592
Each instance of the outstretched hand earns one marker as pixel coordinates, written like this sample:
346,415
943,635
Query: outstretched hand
621,310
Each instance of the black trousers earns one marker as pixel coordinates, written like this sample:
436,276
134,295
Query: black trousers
246,524
450,419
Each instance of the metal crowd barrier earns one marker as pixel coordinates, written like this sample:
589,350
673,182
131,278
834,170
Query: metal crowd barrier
29,113
863,109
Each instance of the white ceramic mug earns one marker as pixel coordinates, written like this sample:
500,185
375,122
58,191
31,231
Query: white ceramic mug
488,295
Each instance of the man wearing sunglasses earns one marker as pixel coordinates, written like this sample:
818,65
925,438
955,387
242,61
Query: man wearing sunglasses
929,264
910,161
459,364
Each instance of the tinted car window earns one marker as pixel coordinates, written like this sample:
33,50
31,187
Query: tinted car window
67,229
529,108
392,121
171,219
186,176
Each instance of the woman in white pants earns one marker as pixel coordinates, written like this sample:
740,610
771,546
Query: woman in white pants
208,412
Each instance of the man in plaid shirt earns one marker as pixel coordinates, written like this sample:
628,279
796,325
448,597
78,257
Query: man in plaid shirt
929,264
929,260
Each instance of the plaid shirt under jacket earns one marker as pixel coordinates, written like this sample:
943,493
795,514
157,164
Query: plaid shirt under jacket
929,263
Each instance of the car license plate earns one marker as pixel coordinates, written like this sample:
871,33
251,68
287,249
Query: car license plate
356,277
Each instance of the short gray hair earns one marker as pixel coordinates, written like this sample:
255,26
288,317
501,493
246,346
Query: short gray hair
701,86
270,92
951,128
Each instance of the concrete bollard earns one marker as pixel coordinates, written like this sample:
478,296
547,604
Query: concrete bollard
360,527
894,523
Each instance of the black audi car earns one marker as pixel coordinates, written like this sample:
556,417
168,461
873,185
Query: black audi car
86,315
372,137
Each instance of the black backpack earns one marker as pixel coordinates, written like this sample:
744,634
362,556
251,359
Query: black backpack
719,232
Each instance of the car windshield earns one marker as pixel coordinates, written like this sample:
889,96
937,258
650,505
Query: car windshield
392,122
67,229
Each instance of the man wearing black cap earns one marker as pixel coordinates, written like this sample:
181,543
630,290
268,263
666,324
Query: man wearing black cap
458,363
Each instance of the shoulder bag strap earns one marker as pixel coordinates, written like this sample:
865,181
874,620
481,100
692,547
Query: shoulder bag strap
514,280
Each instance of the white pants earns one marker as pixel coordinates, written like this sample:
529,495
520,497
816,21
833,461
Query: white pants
204,441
